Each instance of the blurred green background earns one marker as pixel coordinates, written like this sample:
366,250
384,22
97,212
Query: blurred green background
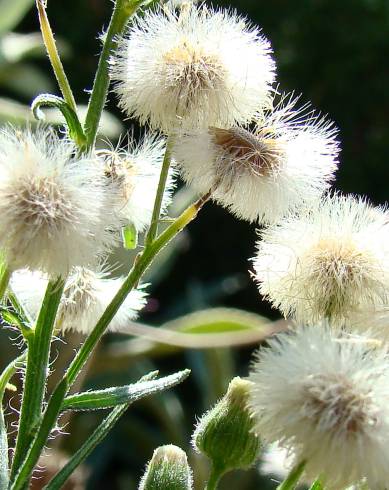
333,52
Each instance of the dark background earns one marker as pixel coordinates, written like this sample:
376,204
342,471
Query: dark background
333,52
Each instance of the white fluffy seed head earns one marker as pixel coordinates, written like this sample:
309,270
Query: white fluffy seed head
135,171
325,400
86,295
285,163
55,208
329,262
193,69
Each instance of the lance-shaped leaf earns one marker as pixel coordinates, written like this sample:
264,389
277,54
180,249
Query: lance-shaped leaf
102,430
119,395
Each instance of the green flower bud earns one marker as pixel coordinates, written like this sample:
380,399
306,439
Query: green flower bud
168,469
226,433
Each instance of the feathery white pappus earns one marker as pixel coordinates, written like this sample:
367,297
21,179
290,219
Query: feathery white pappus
86,296
135,171
285,162
325,399
55,208
329,262
192,69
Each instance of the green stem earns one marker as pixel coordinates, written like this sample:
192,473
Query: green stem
6,375
160,192
122,11
97,436
214,478
5,276
38,354
55,403
293,477
55,60
316,485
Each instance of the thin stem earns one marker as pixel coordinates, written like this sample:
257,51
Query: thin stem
139,267
97,436
5,376
160,192
55,60
122,11
38,354
316,485
56,400
214,478
5,276
293,477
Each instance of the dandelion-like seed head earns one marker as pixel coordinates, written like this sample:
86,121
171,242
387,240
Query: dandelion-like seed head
193,69
86,296
281,165
46,221
134,172
330,262
324,399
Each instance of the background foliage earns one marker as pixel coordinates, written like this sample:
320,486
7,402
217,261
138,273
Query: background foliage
335,54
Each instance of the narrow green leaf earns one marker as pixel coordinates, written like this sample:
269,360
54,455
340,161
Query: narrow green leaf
293,477
102,430
130,237
75,129
111,397
15,319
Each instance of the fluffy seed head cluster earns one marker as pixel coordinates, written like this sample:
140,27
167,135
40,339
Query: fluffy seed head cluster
325,399
86,295
134,171
284,163
46,218
193,69
328,262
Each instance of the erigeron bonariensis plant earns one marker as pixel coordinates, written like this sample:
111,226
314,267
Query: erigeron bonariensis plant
205,79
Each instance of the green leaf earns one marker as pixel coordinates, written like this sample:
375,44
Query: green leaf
102,430
12,12
15,319
111,397
74,126
215,327
12,112
130,237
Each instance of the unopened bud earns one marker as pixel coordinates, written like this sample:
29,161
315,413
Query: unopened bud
168,469
226,433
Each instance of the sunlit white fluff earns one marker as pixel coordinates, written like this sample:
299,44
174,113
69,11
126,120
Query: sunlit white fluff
194,69
276,461
135,172
55,208
329,262
285,162
326,401
86,296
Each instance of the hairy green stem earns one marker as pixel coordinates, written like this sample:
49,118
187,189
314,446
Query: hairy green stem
38,354
160,192
5,376
122,11
55,60
56,400
293,478
214,478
